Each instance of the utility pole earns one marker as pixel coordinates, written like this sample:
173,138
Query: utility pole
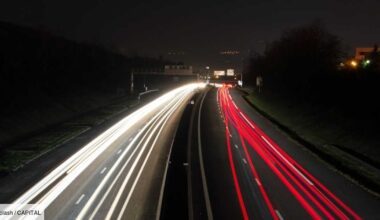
132,81
259,83
241,79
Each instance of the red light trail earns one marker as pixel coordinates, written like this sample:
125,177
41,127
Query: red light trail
317,200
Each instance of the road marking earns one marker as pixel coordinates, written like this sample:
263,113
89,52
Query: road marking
290,164
203,174
244,160
236,146
103,170
119,152
230,135
235,105
258,181
159,206
279,214
247,120
80,199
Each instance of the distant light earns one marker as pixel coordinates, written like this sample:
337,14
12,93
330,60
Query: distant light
366,62
354,63
207,67
230,52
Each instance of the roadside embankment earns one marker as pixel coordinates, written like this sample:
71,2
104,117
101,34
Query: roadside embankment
349,143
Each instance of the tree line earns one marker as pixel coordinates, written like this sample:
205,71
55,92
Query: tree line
305,63
33,61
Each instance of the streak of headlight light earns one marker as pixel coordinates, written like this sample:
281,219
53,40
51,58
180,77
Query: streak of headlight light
102,184
201,85
121,190
114,132
58,186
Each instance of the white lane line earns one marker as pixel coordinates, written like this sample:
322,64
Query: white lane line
282,157
247,120
103,170
203,173
159,206
279,214
258,181
119,152
80,199
236,146
244,160
230,135
235,105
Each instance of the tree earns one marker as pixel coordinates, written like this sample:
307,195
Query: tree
300,58
374,59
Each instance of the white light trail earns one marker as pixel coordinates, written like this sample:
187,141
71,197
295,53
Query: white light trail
53,184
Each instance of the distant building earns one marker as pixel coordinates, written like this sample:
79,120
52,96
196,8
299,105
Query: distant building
229,52
229,59
230,72
362,52
178,70
176,53
219,73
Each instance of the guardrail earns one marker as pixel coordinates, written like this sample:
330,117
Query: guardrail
145,93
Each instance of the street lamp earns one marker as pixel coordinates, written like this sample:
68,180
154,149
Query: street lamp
354,64
366,63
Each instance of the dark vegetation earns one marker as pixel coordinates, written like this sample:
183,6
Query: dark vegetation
45,79
306,89
301,72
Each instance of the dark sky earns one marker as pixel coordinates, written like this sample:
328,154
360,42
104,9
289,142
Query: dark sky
199,28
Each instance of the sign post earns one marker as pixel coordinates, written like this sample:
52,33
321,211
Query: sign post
259,83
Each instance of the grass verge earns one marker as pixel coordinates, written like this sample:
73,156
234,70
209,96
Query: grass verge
20,154
321,133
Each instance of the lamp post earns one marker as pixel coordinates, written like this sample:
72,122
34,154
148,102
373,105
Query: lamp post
132,82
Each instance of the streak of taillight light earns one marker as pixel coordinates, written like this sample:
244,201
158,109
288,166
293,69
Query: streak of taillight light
270,151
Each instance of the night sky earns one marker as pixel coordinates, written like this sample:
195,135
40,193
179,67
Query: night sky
200,29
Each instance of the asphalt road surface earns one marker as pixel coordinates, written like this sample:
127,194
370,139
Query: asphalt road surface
120,174
237,165
254,171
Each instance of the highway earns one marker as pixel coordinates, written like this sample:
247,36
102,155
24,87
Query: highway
120,174
237,165
254,171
